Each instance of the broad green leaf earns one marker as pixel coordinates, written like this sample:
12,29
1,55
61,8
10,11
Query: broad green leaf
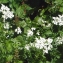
20,12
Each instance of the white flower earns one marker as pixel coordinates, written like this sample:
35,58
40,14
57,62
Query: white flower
58,20
4,8
42,39
6,12
49,40
43,43
59,40
55,20
49,47
38,33
7,15
7,36
49,25
32,44
27,46
18,30
29,33
61,17
6,25
45,51
33,28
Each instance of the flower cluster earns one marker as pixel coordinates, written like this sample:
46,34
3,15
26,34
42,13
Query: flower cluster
58,20
18,30
6,12
59,40
30,32
41,43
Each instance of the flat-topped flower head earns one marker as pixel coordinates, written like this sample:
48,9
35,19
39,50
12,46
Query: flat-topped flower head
58,20
6,13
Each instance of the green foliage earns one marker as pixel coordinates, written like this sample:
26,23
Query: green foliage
30,14
3,1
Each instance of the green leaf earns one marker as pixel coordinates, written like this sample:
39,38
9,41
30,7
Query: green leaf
20,62
27,7
42,12
59,1
38,20
9,57
61,33
26,29
20,12
48,32
61,9
40,62
22,24
47,62
9,47
3,1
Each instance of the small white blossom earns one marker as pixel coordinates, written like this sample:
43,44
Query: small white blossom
27,46
38,33
7,36
45,51
18,30
33,28
48,25
61,17
29,33
6,25
59,40
49,40
55,20
49,47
